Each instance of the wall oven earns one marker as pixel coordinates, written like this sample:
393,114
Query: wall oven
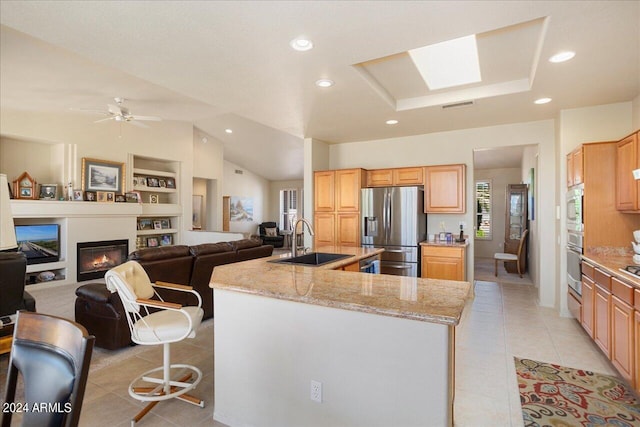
574,261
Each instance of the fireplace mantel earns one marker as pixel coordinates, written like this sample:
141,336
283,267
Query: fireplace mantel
79,222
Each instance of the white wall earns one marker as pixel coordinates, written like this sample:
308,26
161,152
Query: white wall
530,161
208,164
457,147
636,112
316,158
576,126
247,185
500,179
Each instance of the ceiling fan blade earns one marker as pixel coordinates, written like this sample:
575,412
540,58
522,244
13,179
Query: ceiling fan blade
135,123
148,118
103,120
86,110
114,109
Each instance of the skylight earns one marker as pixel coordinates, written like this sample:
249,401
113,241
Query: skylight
448,64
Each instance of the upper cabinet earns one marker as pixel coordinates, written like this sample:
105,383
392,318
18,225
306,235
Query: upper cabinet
445,190
324,191
627,160
575,167
395,177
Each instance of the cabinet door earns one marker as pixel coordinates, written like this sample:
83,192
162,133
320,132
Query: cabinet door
577,167
379,178
445,263
324,191
569,169
445,190
627,161
602,319
408,176
324,226
622,337
636,321
347,186
348,232
588,294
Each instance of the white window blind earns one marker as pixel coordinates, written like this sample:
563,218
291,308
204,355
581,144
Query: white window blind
483,210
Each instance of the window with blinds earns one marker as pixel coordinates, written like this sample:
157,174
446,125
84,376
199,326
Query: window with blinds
483,210
288,208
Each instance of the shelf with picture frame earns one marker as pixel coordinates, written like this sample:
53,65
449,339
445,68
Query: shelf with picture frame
158,183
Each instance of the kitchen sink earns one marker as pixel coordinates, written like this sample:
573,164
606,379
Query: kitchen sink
311,259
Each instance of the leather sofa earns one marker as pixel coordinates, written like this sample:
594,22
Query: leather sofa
101,312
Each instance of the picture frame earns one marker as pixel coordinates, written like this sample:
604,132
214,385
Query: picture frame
165,223
103,175
48,191
442,236
139,181
153,182
165,240
152,242
90,196
162,183
120,198
78,195
144,224
171,183
105,196
154,198
133,197
157,224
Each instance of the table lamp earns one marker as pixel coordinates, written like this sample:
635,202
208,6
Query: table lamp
7,231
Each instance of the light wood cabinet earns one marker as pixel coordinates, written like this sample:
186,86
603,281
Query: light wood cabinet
602,311
622,337
445,190
627,159
443,262
588,300
636,328
395,177
337,207
574,167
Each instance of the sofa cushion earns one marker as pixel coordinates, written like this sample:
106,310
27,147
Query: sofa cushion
245,244
159,253
211,248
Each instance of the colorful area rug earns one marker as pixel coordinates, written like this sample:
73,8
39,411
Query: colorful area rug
553,395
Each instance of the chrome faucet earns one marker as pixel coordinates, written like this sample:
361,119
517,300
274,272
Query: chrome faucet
294,243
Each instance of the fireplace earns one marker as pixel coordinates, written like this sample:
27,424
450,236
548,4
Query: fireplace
96,258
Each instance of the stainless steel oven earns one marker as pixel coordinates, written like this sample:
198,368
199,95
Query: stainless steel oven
574,261
574,208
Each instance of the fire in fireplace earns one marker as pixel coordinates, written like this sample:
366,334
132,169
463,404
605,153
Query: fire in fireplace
96,258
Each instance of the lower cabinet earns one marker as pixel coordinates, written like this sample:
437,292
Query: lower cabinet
443,262
588,298
636,322
602,318
622,337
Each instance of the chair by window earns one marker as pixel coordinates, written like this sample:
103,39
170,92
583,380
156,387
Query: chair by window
504,257
270,234
157,322
52,355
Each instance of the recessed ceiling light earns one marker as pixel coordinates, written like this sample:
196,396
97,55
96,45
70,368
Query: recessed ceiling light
228,130
204,140
392,122
562,56
301,44
324,83
542,101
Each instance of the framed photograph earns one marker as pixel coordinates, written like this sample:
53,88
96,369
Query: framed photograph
152,242
120,198
165,223
153,182
163,183
144,224
105,196
153,198
90,196
133,197
157,225
102,175
165,240
48,191
171,183
78,195
443,236
139,181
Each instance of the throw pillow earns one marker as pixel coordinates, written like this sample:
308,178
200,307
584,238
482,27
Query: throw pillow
270,232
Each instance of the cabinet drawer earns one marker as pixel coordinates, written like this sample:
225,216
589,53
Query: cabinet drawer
587,270
623,291
602,279
442,251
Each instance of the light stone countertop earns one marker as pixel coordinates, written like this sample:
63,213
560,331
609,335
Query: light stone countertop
612,263
427,300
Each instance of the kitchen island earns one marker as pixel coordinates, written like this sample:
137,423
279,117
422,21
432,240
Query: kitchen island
380,347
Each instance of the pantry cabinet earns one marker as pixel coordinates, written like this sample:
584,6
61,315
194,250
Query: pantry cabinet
445,190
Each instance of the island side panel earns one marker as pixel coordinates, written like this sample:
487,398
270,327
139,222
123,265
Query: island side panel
375,370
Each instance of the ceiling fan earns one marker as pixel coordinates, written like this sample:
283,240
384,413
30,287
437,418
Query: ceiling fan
120,113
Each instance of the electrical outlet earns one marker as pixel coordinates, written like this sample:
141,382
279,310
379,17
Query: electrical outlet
463,225
316,391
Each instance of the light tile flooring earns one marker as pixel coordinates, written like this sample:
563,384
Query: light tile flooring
501,322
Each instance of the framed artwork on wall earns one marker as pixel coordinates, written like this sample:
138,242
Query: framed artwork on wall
102,175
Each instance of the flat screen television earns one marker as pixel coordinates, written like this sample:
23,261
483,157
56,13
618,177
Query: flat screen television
39,242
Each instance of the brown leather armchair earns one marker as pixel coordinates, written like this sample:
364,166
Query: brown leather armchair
271,237
13,297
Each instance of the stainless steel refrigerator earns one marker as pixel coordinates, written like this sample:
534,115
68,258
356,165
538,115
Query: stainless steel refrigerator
393,218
